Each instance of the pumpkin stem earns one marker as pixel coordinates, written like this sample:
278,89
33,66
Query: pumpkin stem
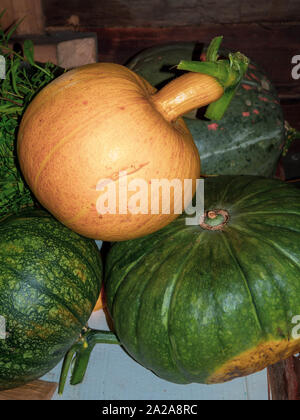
186,93
214,83
291,135
79,355
214,219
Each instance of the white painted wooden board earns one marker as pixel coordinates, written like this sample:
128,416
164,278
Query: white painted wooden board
113,375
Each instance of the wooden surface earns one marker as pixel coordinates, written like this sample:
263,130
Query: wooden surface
36,390
29,10
284,380
158,13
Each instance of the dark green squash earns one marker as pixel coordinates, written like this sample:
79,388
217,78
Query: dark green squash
50,280
249,138
214,301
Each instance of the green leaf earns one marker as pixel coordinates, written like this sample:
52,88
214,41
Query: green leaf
13,29
229,73
212,51
28,49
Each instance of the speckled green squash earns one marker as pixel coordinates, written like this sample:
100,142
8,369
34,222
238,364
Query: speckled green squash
50,280
200,305
249,138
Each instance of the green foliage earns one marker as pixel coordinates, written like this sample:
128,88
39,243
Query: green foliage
24,78
291,135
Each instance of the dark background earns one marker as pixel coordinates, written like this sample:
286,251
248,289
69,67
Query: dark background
267,31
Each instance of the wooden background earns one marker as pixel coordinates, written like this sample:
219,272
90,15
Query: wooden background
157,13
267,31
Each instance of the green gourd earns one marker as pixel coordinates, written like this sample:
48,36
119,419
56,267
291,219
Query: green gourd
212,301
50,280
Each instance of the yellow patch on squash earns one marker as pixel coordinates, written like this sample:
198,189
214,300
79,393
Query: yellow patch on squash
254,360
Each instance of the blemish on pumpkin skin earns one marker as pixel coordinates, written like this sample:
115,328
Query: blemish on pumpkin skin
262,98
246,87
213,126
254,77
85,102
122,108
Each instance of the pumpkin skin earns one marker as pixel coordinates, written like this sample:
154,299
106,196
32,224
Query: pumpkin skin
249,138
208,306
50,279
83,129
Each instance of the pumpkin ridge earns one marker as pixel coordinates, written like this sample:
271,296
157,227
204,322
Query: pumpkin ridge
84,292
255,194
43,256
272,244
66,244
282,228
128,268
42,311
278,287
225,191
46,292
48,97
157,240
21,320
246,282
111,265
177,282
60,143
137,317
82,256
250,213
211,324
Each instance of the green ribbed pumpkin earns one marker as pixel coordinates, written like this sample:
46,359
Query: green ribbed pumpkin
217,300
249,138
50,280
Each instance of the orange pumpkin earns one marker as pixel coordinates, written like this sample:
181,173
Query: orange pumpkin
100,304
97,122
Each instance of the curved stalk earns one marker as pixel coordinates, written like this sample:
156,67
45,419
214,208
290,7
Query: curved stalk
187,92
213,82
79,355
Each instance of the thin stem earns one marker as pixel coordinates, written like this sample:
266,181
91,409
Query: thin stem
187,92
79,355
10,100
9,50
65,369
228,73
